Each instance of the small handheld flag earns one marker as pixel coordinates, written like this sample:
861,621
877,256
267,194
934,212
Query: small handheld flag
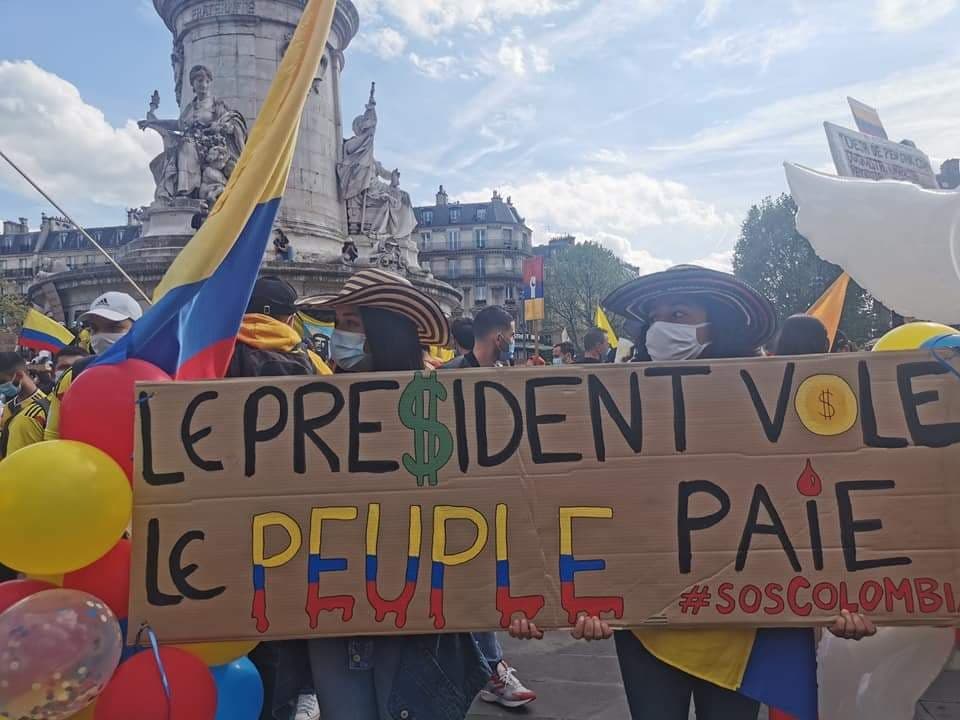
41,333
533,288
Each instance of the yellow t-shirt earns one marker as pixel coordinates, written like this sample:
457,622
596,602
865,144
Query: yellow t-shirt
717,656
52,430
22,423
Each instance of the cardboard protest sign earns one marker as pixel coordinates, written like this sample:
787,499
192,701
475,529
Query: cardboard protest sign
755,492
856,154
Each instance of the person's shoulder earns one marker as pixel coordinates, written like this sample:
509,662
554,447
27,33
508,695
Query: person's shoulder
454,364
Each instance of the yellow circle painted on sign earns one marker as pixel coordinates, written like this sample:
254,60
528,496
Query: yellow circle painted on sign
826,405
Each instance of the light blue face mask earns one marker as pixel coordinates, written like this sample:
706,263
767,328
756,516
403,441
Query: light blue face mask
348,350
8,391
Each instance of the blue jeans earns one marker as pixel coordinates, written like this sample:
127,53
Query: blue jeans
489,646
284,668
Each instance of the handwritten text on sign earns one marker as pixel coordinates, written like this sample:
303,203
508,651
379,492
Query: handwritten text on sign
758,492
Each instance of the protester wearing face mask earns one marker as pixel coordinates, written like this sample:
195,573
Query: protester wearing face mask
494,335
25,406
382,325
66,359
563,353
110,317
695,313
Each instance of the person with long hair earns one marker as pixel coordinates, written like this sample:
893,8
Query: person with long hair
382,325
695,313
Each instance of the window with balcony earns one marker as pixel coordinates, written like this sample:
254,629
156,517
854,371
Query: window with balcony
453,239
454,215
427,217
480,238
480,266
425,241
451,268
509,292
480,294
526,241
481,214
508,264
508,238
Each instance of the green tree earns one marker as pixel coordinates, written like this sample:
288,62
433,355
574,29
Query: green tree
577,279
775,259
13,308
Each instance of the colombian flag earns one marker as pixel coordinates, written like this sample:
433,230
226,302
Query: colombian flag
41,333
777,666
192,326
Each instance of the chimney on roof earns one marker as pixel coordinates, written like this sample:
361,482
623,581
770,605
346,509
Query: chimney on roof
441,197
15,228
496,197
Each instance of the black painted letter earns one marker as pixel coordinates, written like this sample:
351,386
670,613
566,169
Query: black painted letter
190,439
679,408
304,428
850,527
686,525
252,433
534,421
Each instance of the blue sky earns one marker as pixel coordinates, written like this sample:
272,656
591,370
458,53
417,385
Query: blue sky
648,125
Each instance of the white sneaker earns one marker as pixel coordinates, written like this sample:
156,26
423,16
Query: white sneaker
505,689
307,708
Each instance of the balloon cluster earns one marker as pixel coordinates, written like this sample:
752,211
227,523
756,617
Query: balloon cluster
65,507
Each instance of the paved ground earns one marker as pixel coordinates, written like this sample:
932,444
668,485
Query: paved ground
581,681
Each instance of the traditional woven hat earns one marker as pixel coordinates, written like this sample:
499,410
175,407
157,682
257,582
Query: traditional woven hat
389,291
634,299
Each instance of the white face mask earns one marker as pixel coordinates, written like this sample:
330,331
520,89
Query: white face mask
674,341
347,349
558,361
101,342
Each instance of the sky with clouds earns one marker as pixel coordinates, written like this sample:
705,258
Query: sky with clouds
648,125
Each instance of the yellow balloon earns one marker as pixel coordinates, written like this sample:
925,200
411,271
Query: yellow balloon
52,579
219,653
63,505
912,336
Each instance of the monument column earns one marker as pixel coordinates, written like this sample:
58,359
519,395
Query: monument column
242,42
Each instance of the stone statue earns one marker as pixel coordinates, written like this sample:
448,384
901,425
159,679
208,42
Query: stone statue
378,209
200,149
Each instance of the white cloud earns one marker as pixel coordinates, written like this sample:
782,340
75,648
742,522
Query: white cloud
434,67
386,43
910,15
518,56
617,209
608,156
759,46
921,103
429,18
711,8
721,260
67,145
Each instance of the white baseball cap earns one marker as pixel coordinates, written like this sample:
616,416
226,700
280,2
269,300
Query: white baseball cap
114,306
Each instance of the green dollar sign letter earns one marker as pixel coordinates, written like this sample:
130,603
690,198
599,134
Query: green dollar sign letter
432,442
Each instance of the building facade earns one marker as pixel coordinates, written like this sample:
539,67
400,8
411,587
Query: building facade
478,248
26,256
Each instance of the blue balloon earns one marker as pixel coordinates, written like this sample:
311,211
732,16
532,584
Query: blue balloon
239,690
943,341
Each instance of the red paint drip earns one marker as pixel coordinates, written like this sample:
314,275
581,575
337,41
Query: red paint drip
382,607
809,483
327,603
591,606
508,605
259,611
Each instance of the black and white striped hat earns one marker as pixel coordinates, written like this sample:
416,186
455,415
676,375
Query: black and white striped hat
754,312
389,291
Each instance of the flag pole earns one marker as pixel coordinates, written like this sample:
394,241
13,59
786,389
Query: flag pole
82,231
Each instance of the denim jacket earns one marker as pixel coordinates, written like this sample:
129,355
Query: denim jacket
437,678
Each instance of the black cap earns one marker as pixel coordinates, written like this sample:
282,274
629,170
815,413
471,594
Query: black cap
273,296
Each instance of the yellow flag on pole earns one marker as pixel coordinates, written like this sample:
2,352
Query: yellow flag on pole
603,323
829,308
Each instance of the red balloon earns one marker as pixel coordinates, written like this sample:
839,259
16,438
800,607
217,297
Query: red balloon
108,579
136,691
98,409
13,591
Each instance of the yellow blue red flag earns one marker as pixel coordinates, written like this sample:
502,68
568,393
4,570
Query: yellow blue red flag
191,329
41,333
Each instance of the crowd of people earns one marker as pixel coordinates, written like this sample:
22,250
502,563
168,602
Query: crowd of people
383,324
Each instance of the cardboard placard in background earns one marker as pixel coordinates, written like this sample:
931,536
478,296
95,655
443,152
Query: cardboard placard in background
754,492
